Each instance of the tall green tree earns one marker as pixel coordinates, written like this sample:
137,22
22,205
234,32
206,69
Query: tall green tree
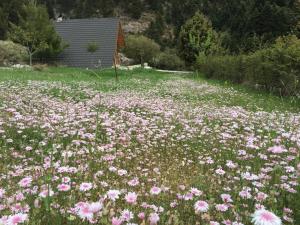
251,23
36,32
9,11
197,36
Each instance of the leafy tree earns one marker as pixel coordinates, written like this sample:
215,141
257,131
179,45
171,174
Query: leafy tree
156,29
198,37
252,23
141,48
9,11
36,32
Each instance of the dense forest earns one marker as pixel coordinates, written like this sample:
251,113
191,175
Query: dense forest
245,24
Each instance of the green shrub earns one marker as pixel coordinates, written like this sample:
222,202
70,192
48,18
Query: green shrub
168,60
141,49
277,68
11,53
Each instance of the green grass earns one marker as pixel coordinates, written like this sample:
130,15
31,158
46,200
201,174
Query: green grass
104,81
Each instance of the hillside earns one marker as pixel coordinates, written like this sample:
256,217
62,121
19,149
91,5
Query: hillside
245,23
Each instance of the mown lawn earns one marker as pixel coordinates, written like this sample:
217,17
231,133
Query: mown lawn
79,147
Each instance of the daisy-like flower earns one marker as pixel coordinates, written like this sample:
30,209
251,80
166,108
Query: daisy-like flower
85,212
226,198
214,223
153,218
196,192
17,218
85,187
133,182
201,206
113,194
221,207
95,207
277,149
155,191
116,221
63,187
265,217
220,171
127,215
45,193
25,182
131,197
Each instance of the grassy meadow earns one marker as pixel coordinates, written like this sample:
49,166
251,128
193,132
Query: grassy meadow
79,147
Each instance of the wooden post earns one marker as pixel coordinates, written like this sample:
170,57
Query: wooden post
116,71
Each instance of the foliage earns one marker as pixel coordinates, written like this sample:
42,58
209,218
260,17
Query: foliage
36,32
11,53
198,37
156,29
9,11
168,60
258,19
276,68
141,48
92,47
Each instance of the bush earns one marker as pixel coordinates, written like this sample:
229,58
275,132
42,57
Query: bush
141,49
11,53
276,68
197,36
168,61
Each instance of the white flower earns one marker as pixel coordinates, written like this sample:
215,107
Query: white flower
201,206
86,186
113,194
265,217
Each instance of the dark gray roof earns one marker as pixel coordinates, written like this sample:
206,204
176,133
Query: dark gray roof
78,33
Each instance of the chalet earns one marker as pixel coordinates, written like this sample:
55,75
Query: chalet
78,34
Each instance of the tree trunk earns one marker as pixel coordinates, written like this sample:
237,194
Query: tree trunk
142,62
30,59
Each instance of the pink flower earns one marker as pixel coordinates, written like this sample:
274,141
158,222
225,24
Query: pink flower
17,218
95,207
131,198
63,187
141,215
45,193
85,212
214,223
25,182
264,217
226,198
153,218
127,215
155,191
116,221
222,207
220,171
133,182
113,194
196,192
277,149
201,206
86,186
66,179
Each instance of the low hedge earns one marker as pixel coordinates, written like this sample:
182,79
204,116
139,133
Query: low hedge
276,69
12,53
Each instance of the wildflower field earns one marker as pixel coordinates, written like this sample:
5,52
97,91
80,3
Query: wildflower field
76,148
